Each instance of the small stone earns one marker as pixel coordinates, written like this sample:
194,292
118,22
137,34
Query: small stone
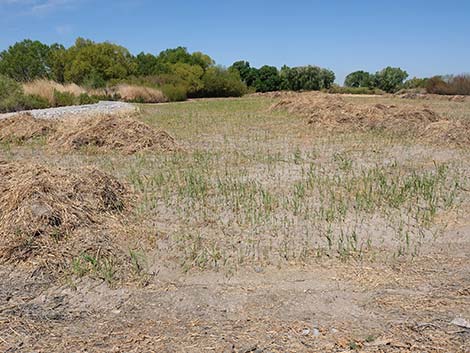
316,332
305,332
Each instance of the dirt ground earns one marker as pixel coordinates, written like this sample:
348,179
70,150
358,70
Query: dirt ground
262,233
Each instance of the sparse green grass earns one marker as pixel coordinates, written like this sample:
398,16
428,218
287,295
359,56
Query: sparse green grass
256,187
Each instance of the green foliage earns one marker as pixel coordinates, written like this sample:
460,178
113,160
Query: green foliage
26,60
267,79
354,90
220,82
415,82
94,64
12,97
63,99
87,99
306,78
358,79
390,79
175,93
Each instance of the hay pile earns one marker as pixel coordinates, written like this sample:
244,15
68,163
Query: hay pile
50,213
126,135
448,132
105,133
24,127
332,111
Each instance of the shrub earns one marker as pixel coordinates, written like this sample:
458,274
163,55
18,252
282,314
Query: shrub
459,85
12,97
84,98
31,101
390,79
306,78
139,94
47,88
354,90
175,93
219,82
63,99
358,79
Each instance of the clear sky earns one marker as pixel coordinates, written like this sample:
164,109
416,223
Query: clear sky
424,37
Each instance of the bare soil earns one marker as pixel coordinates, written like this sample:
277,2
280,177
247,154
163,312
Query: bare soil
264,235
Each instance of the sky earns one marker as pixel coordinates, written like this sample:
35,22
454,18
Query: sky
423,37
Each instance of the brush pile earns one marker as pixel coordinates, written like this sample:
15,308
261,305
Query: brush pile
334,112
53,214
126,135
109,133
24,127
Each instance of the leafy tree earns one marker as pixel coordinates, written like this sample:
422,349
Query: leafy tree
267,79
247,73
306,78
148,64
220,82
190,75
390,79
94,64
358,79
415,82
26,61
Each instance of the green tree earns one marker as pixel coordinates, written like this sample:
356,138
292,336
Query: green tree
390,79
358,79
26,61
267,79
247,73
220,82
306,78
94,64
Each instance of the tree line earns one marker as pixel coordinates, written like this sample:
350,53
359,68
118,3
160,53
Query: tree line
181,74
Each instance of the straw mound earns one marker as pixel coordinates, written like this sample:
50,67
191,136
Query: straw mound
334,112
448,132
24,127
126,135
429,96
43,209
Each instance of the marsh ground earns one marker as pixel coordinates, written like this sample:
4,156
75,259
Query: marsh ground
265,234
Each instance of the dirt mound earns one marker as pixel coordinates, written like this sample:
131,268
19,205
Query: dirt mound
334,112
43,209
24,127
126,135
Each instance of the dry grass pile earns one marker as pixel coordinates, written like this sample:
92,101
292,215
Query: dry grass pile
24,127
141,94
429,96
448,132
50,213
126,135
46,88
334,112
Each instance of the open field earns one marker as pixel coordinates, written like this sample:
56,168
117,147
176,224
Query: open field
261,232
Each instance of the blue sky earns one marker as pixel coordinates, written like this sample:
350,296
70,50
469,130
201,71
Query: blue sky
423,37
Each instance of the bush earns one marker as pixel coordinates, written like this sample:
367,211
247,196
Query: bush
354,90
358,79
63,99
12,97
139,94
84,98
306,78
47,88
175,93
31,101
452,85
219,82
390,79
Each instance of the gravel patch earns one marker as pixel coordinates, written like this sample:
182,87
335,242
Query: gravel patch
103,107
